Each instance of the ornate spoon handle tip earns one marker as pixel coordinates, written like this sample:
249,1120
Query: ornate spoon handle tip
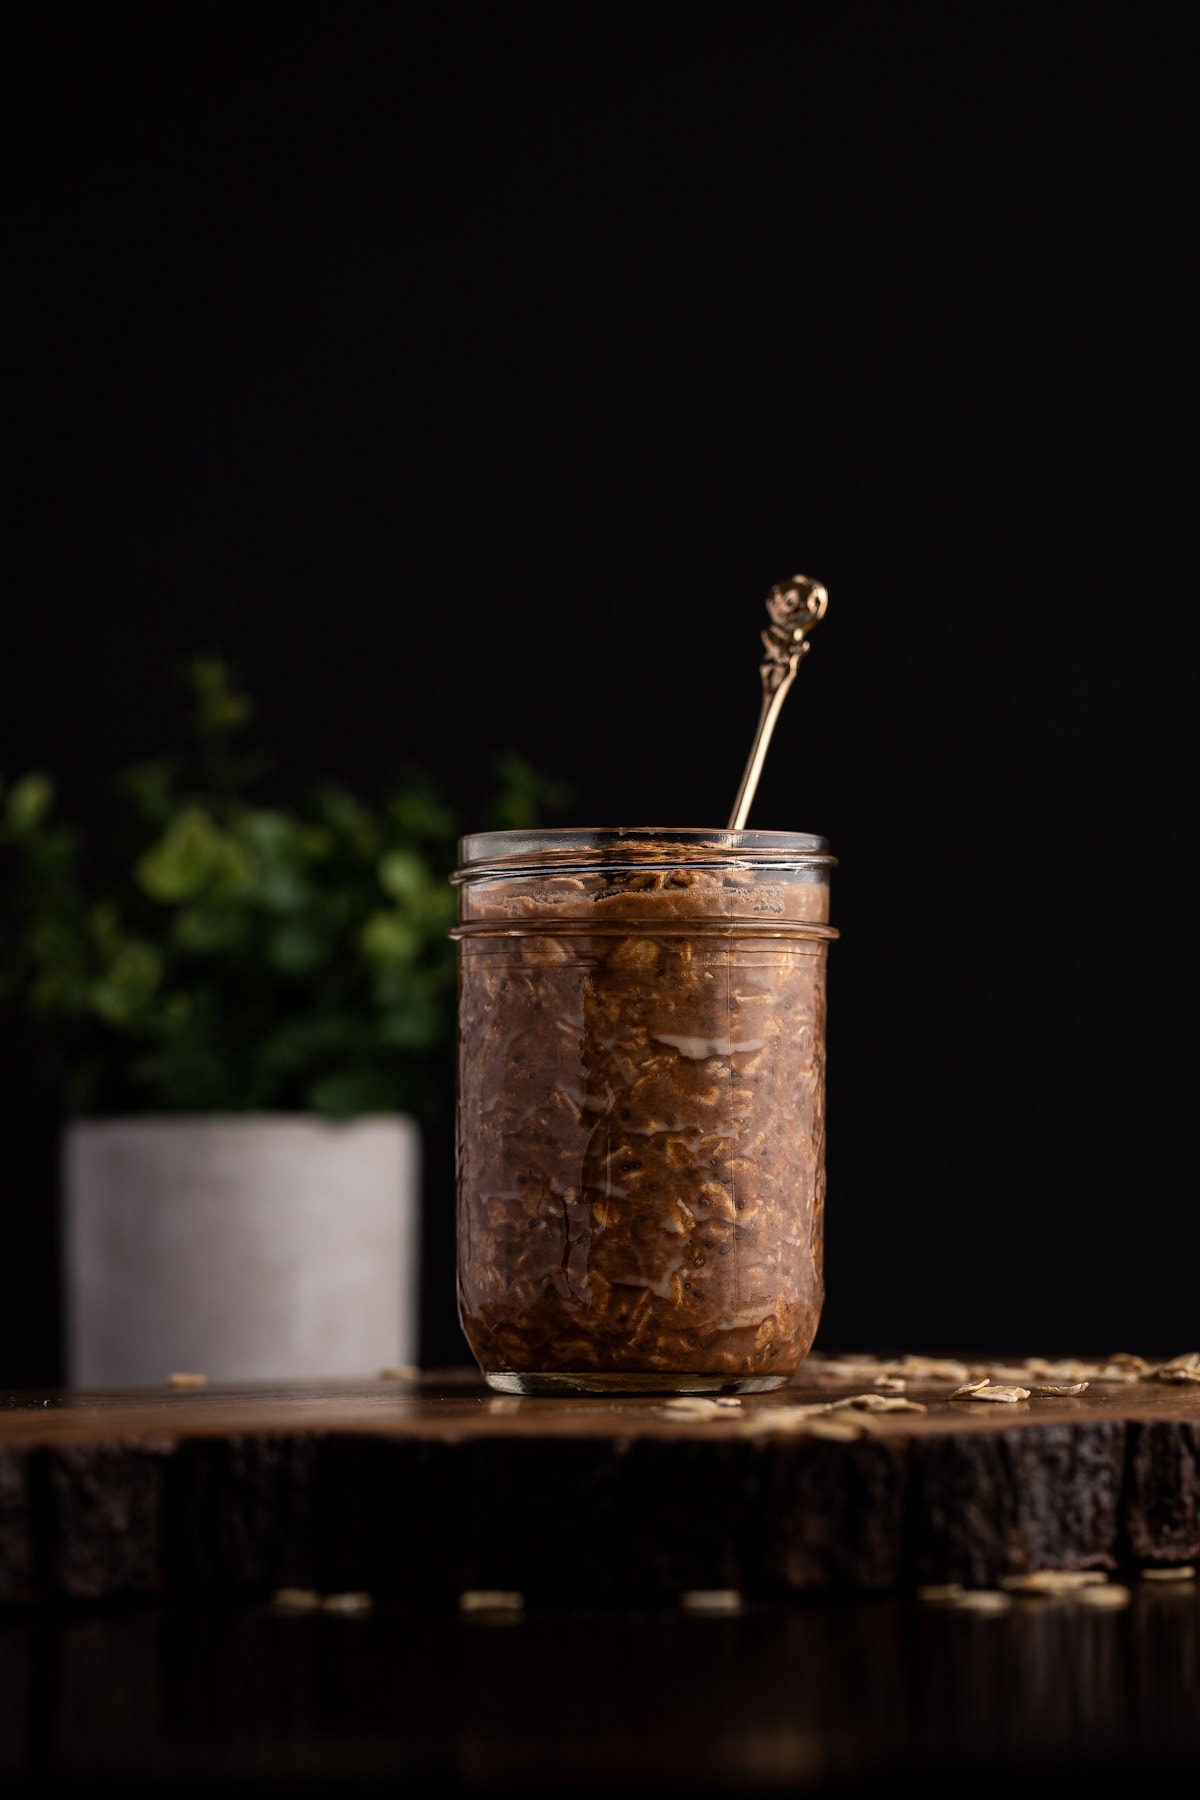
794,607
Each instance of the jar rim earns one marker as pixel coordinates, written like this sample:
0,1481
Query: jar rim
551,845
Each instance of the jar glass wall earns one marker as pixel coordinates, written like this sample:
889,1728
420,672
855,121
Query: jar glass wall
641,1107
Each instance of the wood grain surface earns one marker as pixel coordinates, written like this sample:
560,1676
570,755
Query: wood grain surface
420,1486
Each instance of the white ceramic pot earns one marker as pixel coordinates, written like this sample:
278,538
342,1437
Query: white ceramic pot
271,1247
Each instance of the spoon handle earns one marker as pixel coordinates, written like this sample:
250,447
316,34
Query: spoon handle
794,606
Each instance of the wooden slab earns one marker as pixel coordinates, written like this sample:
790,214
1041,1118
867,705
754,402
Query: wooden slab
418,1488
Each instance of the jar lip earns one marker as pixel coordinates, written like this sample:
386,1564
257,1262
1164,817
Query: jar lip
634,843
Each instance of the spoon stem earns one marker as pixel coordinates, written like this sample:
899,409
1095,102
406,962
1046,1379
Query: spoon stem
771,705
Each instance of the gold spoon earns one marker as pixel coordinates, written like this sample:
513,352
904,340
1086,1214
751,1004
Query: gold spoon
795,606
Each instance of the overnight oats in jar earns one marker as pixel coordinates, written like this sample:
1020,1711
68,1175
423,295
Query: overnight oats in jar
641,1107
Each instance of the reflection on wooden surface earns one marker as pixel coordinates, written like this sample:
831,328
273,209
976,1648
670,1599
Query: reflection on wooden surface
822,1696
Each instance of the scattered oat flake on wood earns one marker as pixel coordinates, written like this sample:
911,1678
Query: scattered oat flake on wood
899,1368
296,1599
985,1391
1065,1369
879,1403
692,1406
930,1368
182,1379
842,1430
1169,1572
983,1600
891,1384
490,1600
348,1603
881,1371
1180,1368
853,1368
968,1388
1059,1388
399,1372
1122,1367
1054,1581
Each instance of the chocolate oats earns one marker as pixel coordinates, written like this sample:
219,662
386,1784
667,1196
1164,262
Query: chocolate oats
641,1107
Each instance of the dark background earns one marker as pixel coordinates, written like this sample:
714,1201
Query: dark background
469,376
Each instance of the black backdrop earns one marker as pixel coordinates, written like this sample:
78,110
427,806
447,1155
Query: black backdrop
469,378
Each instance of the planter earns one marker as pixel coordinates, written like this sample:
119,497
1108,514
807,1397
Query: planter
261,1248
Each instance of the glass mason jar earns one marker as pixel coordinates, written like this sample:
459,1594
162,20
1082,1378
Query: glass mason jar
640,1142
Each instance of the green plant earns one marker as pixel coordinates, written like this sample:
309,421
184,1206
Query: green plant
239,956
